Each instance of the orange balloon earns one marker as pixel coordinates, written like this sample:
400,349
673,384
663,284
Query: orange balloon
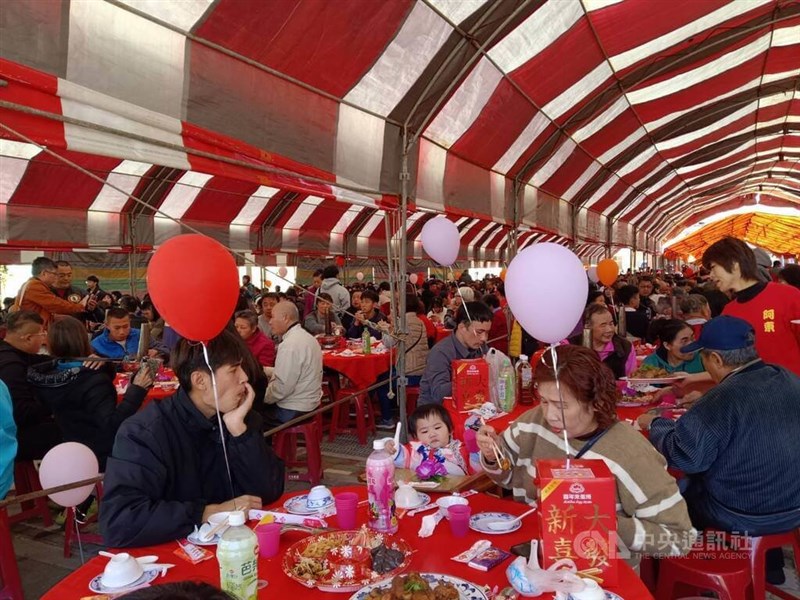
503,275
607,271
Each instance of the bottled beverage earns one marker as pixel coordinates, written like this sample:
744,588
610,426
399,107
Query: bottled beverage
525,380
237,553
506,391
366,341
380,488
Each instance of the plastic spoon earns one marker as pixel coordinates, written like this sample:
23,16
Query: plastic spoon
506,525
397,435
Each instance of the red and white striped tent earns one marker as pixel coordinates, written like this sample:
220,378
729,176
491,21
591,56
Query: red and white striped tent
282,125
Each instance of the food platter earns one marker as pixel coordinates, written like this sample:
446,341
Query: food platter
654,380
344,561
466,590
637,401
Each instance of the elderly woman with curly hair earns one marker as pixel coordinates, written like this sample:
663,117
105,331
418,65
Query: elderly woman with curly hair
652,517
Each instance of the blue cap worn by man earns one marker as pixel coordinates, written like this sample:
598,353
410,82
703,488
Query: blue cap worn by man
739,443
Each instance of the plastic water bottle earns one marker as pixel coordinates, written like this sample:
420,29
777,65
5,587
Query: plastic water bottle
380,488
366,341
506,389
237,553
525,380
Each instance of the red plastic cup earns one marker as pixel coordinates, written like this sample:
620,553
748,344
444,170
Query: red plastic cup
458,517
346,505
269,539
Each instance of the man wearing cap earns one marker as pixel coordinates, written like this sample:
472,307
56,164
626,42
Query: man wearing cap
769,307
738,444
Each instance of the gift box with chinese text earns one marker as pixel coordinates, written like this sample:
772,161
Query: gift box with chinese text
470,383
578,519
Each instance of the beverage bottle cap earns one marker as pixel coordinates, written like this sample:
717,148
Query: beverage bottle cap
523,357
236,518
379,445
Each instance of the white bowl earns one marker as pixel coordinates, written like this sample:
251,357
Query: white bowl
319,497
447,501
121,570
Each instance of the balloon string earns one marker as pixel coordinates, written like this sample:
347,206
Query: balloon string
458,289
219,422
554,354
78,532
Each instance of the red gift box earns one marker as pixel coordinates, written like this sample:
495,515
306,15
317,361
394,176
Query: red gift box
577,516
470,383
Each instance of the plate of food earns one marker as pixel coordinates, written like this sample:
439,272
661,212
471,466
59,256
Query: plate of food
346,561
649,375
421,586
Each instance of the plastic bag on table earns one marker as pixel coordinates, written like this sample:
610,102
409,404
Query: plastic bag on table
502,380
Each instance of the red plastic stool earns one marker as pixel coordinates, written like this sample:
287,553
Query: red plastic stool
70,529
286,444
412,395
10,582
729,578
364,415
758,552
26,480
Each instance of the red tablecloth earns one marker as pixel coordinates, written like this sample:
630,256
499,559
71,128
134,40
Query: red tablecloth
155,393
362,369
435,558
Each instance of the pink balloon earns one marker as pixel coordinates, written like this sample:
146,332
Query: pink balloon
360,276
413,278
441,240
546,289
592,273
282,271
67,463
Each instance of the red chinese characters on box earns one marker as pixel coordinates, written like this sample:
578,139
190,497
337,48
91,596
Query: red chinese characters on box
470,383
577,516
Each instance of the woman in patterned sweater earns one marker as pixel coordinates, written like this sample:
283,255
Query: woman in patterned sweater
652,517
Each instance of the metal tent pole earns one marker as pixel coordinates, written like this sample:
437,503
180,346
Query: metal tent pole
402,381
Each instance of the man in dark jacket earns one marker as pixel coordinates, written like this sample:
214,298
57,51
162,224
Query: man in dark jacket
37,432
167,472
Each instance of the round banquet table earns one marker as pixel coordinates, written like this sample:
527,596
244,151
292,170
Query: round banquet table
433,555
154,393
361,369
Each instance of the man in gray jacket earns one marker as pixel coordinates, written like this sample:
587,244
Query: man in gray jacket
331,285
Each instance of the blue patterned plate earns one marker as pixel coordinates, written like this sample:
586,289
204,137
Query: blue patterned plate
466,590
480,522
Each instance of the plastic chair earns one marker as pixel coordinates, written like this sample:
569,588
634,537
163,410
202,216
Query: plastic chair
10,582
286,444
26,480
364,415
412,395
730,577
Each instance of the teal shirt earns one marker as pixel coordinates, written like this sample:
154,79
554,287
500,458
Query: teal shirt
8,441
657,359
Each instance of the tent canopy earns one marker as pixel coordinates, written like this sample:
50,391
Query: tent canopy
587,121
778,234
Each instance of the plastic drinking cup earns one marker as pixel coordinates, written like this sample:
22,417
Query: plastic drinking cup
458,517
269,538
346,504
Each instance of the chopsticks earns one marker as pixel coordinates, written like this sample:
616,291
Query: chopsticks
499,455
213,531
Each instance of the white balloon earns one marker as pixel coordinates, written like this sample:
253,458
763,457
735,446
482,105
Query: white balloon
360,276
546,289
282,271
413,278
592,272
441,240
68,463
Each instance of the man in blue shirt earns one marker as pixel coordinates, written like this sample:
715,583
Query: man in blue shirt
738,444
468,340
119,340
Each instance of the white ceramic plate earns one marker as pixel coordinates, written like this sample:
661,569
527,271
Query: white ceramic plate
298,505
423,500
96,584
654,380
195,539
466,590
479,522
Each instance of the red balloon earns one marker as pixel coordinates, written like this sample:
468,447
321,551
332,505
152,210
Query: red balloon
340,261
194,283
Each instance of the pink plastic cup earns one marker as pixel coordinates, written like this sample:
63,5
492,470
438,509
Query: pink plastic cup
346,505
269,539
458,517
